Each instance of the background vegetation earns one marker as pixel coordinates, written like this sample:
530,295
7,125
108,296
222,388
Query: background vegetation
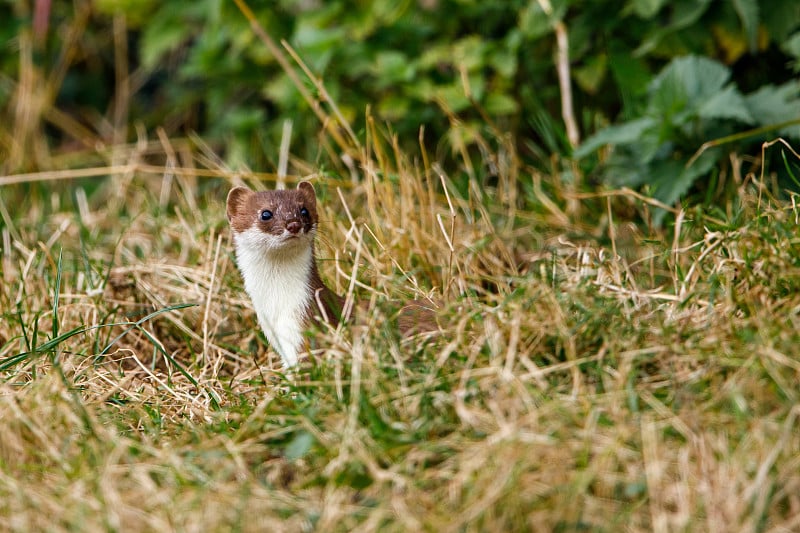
600,195
96,71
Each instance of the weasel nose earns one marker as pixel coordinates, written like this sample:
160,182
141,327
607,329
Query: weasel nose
294,226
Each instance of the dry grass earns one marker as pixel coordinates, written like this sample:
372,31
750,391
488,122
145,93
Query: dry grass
587,377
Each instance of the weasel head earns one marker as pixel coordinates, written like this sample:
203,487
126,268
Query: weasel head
273,222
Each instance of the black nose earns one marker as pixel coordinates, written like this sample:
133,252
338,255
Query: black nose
294,226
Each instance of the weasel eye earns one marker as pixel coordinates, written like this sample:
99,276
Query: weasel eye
303,212
266,214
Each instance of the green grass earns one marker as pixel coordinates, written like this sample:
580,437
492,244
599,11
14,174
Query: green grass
571,388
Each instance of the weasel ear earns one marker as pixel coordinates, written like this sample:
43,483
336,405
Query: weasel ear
308,190
237,198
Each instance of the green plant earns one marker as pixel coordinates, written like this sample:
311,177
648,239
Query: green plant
690,102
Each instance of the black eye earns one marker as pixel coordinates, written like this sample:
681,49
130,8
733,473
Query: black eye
304,212
266,214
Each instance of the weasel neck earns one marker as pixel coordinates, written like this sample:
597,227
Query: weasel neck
280,286
287,294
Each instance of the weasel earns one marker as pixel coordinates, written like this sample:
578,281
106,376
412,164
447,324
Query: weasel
273,233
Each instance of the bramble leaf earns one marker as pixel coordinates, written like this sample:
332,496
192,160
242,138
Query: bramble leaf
728,103
627,132
749,15
692,80
776,104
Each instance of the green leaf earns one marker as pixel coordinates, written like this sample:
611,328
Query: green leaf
533,22
504,61
647,8
500,104
693,87
627,132
392,107
435,55
592,73
624,169
392,67
299,446
792,47
316,39
776,104
779,18
728,103
469,52
671,179
631,76
451,96
699,77
136,11
281,90
748,14
161,37
684,14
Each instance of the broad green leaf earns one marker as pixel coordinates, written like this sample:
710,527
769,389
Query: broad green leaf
392,107
667,96
504,61
451,96
299,446
392,67
700,76
626,175
435,55
684,86
137,12
469,53
624,169
630,161
631,76
280,89
158,39
779,18
728,103
776,104
647,8
626,132
672,179
792,47
748,14
307,36
316,43
500,104
684,14
592,74
533,22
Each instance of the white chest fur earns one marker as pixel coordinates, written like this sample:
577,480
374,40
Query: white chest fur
276,277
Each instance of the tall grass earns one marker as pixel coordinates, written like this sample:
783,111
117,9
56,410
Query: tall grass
589,374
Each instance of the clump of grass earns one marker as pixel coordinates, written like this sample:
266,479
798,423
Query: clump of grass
589,375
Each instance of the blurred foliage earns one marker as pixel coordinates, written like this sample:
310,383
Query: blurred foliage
198,66
691,101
